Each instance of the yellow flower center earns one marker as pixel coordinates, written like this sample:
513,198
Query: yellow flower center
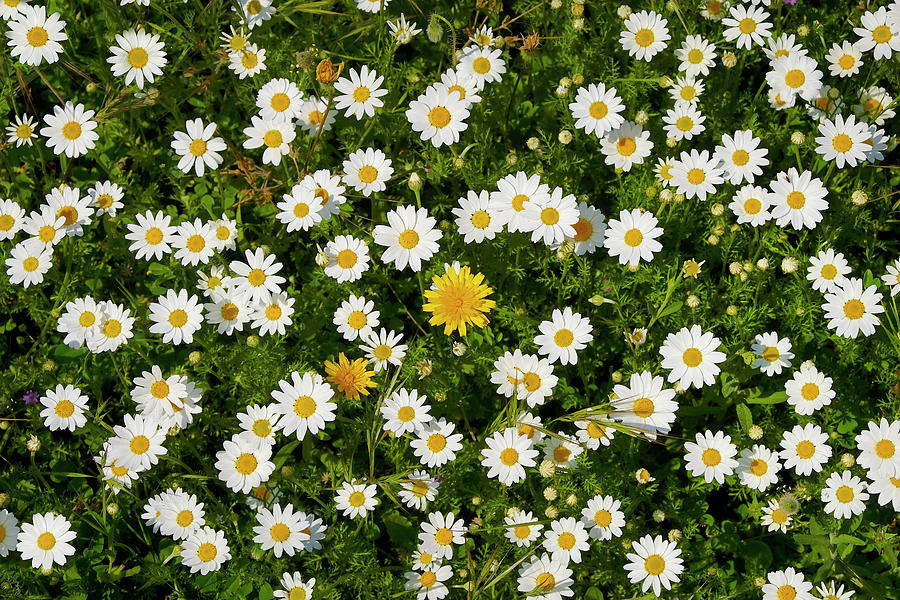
458,88
195,243
695,56
87,319
439,117
304,407
436,442
806,449
711,457
367,174
752,206
346,259
654,564
747,26
643,407
273,312
787,592
254,7
684,123
71,130
406,414
779,517
545,581
37,36
481,219
882,34
64,409
596,431
846,61
104,201
139,444
634,237
138,58
46,541
602,518
443,536
692,357
598,109
696,176
280,532
30,264
796,200
207,552
566,540
301,210
844,494
842,143
159,389
427,579
771,354
357,320
420,490
795,78
829,272
549,216
885,449
854,309
518,202
759,467
256,277
184,518
154,236
280,102
178,318
644,37
481,65
273,138
249,60
245,464
809,391
740,157
230,311
262,428
583,230
23,131
563,338
361,94
522,531
112,328
561,454
626,146
409,239
509,457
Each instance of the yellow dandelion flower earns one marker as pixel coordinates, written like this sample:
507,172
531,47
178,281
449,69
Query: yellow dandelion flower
458,300
350,377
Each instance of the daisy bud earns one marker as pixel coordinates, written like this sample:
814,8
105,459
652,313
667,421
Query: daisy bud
859,197
731,310
734,228
679,198
713,240
671,142
424,368
459,162
797,138
49,366
4,500
748,266
578,23
435,30
759,581
565,249
33,444
577,10
459,348
555,4
789,264
717,209
194,357
565,81
112,509
415,182
571,500
729,60
4,425
650,192
551,512
691,268
693,301
253,341
547,468
643,476
322,258
565,136
257,553
616,376
847,460
674,535
803,30
666,82
634,268
641,118
173,430
743,276
551,493
719,230
326,71
533,143
666,195
624,11
762,264
834,93
755,433
511,512
561,91
512,158
440,397
46,571
476,500
671,6
807,364
577,79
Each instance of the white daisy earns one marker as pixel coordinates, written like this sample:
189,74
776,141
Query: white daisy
844,59
712,456
522,527
563,336
295,588
176,316
360,93
80,321
256,278
545,579
507,455
34,37
482,65
205,550
852,309
787,584
656,562
644,405
137,444
436,443
758,467
843,141
273,315
603,517
879,447
279,99
276,136
625,146
684,121
151,235
280,530
772,353
809,390
418,489
696,174
844,495
405,412
596,109
775,518
348,258
114,328
878,32
9,531
565,540
562,452
248,61
315,115
21,131
513,193
795,75
890,279
64,408
28,262
693,357
304,404
106,197
750,204
138,55
697,55
356,500
384,348
70,129
747,26
798,199
197,147
243,463
805,449
478,217
367,171
356,317
410,238
440,532
45,541
553,219
741,156
632,237
645,35
439,116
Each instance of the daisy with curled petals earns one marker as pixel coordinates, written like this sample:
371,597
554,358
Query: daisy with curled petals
359,93
697,55
644,405
565,540
429,584
205,551
712,456
384,348
197,147
482,65
590,229
351,378
368,171
464,86
522,527
137,444
440,532
294,588
181,517
563,336
507,455
805,449
259,423
138,55
843,141
596,109
545,579
228,311
798,199
603,518
632,237
775,518
114,328
402,30
70,130
852,309
9,531
844,495
273,315
626,145
194,242
151,235
656,562
405,412
458,300
244,464
809,390
890,279
844,60
478,217
645,35
438,116
106,197
513,193
80,321
348,258
281,530
34,37
64,408
248,61
772,353
45,541
741,156
878,32
436,443
356,499
28,262
750,204
553,219
787,584
563,452
21,131
758,467
304,404
418,489
176,316
696,174
692,356
300,210
256,278
684,121
279,99
276,136
410,237
879,447
747,26
828,270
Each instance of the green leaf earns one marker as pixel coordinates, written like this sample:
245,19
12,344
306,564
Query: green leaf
745,417
593,593
774,398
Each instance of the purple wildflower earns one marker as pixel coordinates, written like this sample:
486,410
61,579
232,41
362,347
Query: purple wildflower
31,397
